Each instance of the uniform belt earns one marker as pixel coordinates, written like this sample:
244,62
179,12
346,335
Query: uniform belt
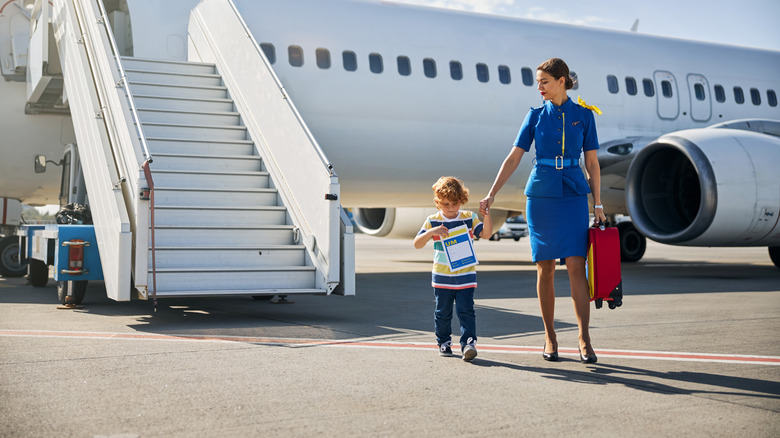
559,162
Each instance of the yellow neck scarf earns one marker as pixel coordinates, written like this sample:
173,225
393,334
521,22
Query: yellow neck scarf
590,107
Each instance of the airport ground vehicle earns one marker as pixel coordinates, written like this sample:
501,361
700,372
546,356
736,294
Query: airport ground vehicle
514,227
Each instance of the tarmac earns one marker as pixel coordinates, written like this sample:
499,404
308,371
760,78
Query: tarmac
693,351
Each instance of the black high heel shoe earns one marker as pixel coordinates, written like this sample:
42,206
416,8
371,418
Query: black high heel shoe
586,359
552,357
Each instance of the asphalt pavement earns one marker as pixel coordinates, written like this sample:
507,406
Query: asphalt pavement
693,351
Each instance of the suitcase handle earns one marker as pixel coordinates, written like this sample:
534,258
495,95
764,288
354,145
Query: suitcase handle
601,225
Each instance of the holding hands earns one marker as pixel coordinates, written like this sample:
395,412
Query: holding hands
484,205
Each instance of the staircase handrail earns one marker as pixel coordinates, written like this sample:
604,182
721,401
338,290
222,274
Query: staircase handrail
128,142
123,77
106,181
299,169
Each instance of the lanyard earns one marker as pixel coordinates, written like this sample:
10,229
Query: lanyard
563,137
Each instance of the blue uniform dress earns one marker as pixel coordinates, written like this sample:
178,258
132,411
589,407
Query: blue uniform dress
557,191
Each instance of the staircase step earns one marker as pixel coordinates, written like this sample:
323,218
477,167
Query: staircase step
195,132
220,216
222,236
183,103
200,147
195,117
210,179
144,88
173,78
275,277
236,257
224,293
168,66
220,163
180,196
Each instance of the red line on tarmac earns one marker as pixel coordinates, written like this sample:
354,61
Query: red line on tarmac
629,354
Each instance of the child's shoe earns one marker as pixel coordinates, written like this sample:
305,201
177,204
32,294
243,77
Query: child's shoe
445,349
469,351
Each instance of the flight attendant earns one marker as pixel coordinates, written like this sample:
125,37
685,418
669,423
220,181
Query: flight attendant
557,192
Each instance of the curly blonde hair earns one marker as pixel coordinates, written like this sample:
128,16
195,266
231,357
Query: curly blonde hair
451,189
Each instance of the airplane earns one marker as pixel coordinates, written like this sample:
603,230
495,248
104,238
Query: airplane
398,95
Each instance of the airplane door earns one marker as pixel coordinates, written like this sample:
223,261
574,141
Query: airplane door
667,96
701,105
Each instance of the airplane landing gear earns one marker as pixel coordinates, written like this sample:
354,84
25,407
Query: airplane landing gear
774,254
632,242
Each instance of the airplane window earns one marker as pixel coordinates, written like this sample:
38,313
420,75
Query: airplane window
771,97
647,84
528,76
631,86
698,90
375,63
612,84
720,93
323,58
503,74
270,52
429,67
666,89
404,66
482,72
295,54
755,96
576,81
456,70
350,60
739,96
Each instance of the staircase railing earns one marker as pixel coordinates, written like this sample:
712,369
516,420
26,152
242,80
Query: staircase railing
124,151
298,167
92,117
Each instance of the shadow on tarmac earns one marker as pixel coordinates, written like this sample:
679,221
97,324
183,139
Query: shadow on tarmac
651,381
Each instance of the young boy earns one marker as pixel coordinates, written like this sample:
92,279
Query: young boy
449,195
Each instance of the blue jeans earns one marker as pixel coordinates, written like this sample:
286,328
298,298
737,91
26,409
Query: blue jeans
464,307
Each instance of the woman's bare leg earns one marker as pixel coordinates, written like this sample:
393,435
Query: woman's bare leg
545,290
581,300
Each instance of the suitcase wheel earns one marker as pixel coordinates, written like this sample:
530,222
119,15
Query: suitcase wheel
612,305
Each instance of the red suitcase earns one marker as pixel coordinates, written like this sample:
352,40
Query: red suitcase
604,277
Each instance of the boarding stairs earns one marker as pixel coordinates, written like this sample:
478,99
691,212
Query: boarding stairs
199,185
220,227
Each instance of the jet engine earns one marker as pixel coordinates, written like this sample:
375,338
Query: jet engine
716,186
403,223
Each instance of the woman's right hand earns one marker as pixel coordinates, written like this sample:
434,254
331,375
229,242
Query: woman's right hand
484,205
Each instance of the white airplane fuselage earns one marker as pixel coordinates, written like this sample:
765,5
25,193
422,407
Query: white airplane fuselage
391,135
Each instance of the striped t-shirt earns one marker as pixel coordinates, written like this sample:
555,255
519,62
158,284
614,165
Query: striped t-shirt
442,276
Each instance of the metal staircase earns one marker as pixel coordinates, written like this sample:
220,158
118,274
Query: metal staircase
220,228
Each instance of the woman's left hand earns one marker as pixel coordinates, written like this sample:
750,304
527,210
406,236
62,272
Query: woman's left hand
598,216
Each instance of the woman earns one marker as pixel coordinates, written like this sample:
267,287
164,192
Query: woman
557,192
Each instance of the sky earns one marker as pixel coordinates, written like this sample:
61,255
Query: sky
751,23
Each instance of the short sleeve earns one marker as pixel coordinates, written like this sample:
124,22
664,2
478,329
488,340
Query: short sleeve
526,134
476,225
590,141
425,226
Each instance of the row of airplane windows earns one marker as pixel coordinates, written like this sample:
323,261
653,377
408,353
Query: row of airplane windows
698,89
376,65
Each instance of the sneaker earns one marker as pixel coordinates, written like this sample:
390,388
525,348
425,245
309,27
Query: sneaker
469,351
445,349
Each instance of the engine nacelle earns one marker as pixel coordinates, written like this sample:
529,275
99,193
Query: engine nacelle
707,187
403,223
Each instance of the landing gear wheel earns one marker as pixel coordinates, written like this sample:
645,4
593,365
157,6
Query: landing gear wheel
38,273
632,242
9,258
77,296
774,254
